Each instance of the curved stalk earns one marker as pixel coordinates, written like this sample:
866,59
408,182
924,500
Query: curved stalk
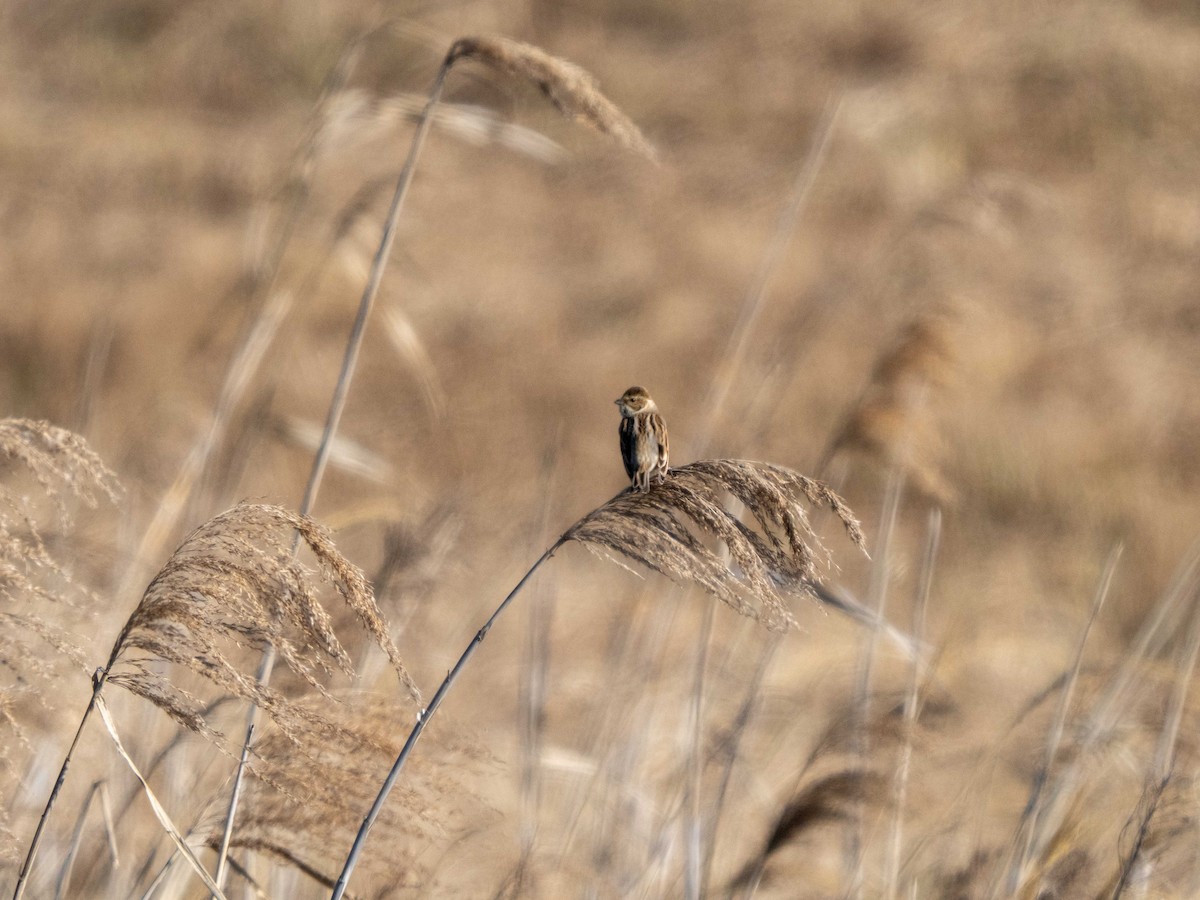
423,719
336,407
98,681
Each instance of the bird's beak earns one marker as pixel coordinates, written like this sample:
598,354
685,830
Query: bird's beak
618,400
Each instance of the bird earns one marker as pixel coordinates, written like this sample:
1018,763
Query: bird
644,446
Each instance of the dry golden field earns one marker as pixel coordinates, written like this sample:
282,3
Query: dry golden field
944,256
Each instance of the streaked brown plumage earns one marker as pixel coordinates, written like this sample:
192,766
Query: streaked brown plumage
644,446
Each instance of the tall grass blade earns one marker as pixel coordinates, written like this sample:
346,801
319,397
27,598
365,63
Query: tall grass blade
1165,753
1028,827
160,811
881,574
912,703
739,338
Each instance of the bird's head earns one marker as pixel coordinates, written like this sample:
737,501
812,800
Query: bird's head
633,401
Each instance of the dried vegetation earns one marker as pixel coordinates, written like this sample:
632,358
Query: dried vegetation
996,240
672,528
236,583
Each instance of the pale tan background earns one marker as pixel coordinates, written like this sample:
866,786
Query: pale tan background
1031,170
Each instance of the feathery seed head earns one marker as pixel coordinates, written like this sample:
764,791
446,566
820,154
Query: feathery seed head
894,421
569,88
235,583
773,555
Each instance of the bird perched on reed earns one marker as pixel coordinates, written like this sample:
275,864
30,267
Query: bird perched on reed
644,446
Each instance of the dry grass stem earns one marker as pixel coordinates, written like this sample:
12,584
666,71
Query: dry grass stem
412,350
573,91
233,583
160,811
256,340
354,116
1146,826
345,454
666,530
1027,827
725,376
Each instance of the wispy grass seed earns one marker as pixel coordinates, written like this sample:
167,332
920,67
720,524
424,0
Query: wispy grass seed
668,530
235,582
573,91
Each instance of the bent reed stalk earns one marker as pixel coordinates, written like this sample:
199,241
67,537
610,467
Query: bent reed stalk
98,681
337,405
574,93
662,530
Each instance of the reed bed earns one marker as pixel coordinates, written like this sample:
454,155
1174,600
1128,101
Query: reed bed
965,273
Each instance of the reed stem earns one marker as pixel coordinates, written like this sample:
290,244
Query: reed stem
423,718
337,406
98,681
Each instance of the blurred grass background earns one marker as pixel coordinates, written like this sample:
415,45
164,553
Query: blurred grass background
1029,172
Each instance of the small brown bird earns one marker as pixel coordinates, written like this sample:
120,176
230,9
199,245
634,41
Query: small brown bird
644,448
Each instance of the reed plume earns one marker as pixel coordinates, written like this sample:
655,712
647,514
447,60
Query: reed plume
892,423
56,458
237,582
233,582
665,529
572,91
32,581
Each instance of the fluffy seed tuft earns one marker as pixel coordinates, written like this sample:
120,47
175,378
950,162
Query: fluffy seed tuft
234,583
572,90
664,530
